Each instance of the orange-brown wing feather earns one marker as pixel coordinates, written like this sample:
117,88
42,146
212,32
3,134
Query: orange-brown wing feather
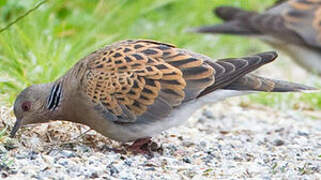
128,77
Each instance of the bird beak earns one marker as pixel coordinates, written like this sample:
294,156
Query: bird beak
15,128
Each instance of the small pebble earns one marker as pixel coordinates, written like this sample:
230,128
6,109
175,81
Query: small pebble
4,174
187,143
128,162
20,156
187,160
112,169
67,153
278,142
94,175
301,133
208,114
33,155
9,146
203,144
150,169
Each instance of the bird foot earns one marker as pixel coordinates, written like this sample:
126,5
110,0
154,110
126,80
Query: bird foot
143,146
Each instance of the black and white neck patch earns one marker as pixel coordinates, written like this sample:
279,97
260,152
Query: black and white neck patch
55,96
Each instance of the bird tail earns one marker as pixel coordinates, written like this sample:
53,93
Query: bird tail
251,82
237,22
235,74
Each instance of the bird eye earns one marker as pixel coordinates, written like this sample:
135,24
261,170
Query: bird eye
25,106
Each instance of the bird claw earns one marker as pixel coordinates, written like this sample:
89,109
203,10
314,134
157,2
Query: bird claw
143,146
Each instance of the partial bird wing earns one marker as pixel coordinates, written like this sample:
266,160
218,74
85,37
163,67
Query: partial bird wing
139,81
304,18
132,78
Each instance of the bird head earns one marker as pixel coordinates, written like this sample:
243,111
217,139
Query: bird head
29,106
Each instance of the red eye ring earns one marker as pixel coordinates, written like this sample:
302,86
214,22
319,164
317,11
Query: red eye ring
26,106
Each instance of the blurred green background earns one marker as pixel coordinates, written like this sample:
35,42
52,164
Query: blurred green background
47,42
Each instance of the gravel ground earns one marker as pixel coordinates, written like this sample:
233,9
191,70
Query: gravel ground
220,141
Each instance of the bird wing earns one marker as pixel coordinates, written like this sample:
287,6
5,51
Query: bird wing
132,78
143,81
304,18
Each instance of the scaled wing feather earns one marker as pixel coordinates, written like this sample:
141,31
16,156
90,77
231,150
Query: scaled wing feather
127,78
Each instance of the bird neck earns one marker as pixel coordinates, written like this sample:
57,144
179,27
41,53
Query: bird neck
53,94
63,100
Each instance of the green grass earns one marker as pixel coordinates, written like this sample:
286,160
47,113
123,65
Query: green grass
46,43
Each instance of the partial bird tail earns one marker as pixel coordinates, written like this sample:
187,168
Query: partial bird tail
235,74
237,22
251,82
229,13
